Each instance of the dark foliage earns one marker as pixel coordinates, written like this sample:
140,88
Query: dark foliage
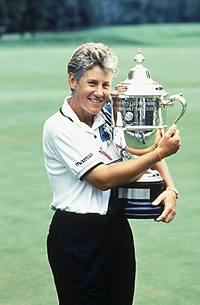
58,15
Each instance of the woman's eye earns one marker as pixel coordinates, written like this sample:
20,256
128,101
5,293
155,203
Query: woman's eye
106,86
92,83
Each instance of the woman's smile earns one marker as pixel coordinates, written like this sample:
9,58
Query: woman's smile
95,101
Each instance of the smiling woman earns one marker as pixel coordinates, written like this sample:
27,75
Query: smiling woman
91,252
90,73
90,94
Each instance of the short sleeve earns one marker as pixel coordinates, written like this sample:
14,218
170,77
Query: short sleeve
77,150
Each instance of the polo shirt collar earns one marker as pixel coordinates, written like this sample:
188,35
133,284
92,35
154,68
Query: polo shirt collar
67,111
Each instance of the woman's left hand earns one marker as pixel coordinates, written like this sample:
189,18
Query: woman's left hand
168,198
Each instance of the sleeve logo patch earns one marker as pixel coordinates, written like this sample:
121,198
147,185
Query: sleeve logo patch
84,160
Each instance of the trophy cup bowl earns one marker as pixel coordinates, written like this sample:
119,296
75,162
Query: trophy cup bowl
139,111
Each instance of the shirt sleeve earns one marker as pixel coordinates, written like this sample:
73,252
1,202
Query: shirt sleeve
77,150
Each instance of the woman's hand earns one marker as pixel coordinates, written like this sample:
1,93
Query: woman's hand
168,198
170,142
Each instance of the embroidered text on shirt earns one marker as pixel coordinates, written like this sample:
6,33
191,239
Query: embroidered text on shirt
83,160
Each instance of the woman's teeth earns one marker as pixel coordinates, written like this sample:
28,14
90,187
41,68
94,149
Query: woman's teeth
95,101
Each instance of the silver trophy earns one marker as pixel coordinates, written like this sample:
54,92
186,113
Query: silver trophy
139,111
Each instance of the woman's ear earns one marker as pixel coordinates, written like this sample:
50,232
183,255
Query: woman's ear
71,80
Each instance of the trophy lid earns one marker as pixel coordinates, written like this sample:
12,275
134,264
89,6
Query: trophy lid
139,82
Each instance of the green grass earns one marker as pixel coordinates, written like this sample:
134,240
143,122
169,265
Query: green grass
33,84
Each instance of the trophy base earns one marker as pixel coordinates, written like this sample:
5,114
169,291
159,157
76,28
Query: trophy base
134,200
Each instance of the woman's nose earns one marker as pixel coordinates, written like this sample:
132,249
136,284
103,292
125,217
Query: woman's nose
99,91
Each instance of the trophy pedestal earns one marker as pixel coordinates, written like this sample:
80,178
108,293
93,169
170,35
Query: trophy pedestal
134,200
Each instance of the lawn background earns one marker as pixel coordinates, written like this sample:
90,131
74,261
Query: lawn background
33,85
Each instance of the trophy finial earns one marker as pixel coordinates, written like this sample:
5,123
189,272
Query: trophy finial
139,58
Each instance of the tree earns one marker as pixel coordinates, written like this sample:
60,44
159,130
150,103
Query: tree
55,15
191,11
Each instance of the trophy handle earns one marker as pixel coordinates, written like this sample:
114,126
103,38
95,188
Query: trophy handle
179,98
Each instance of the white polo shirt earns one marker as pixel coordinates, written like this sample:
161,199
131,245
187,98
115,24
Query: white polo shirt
71,150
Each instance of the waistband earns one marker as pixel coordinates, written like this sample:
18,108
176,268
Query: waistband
90,218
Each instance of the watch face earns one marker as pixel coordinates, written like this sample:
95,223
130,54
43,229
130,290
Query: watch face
128,116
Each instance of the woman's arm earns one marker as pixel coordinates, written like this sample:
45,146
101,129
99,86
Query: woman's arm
108,176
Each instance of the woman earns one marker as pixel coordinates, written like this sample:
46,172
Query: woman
91,253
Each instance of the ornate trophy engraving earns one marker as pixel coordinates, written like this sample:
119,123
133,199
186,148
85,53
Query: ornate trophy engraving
139,110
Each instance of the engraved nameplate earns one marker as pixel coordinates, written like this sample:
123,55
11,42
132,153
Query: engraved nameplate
133,193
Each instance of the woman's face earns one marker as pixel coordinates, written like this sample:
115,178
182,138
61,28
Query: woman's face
91,94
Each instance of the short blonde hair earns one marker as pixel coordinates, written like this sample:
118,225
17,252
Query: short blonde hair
89,55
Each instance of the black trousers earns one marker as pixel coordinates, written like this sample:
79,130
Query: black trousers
92,258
